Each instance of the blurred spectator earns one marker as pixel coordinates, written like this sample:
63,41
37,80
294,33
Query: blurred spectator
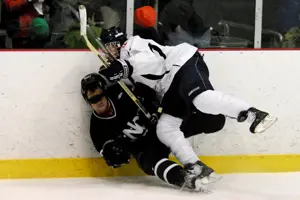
179,22
292,38
145,19
145,16
111,12
62,21
65,25
111,17
287,14
25,24
72,39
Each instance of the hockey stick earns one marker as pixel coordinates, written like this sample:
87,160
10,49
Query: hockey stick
83,33
106,51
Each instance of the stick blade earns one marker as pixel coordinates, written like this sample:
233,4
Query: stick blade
83,19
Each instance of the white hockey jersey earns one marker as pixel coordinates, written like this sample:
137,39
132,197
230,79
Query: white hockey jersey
155,65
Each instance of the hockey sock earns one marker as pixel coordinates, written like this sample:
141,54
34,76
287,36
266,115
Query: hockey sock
216,102
169,133
170,172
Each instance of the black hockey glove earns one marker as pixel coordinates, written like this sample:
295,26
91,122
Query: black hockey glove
149,99
117,70
153,120
136,128
115,154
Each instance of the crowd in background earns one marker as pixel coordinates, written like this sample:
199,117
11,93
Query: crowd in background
206,24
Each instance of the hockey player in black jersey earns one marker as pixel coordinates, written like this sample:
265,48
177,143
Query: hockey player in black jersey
119,130
180,76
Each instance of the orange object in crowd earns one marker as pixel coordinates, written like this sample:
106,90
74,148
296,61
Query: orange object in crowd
13,5
145,16
25,21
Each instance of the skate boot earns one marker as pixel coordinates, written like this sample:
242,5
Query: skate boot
198,175
260,120
208,175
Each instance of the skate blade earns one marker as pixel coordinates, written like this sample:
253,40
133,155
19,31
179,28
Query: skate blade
200,188
265,124
204,191
212,178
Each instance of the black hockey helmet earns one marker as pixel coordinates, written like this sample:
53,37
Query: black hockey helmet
113,34
91,82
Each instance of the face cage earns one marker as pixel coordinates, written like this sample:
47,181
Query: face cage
113,48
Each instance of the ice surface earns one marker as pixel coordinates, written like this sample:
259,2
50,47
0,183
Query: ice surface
281,186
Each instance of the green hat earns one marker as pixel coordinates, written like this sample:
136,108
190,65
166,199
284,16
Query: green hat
39,28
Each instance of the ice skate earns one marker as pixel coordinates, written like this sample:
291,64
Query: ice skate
198,175
260,120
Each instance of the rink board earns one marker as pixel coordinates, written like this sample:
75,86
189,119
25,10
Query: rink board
44,122
96,167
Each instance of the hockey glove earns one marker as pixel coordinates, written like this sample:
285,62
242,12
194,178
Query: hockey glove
115,154
117,70
153,120
149,123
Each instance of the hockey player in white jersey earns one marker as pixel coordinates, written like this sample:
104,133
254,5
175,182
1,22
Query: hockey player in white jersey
180,76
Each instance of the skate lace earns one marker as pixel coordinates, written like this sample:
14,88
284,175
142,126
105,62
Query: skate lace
191,175
251,117
196,170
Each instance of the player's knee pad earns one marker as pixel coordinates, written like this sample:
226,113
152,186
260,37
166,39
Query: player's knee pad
168,129
169,133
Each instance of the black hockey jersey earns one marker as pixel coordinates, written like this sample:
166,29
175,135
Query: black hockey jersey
109,128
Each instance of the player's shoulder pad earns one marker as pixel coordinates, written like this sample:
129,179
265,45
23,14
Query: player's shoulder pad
129,42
